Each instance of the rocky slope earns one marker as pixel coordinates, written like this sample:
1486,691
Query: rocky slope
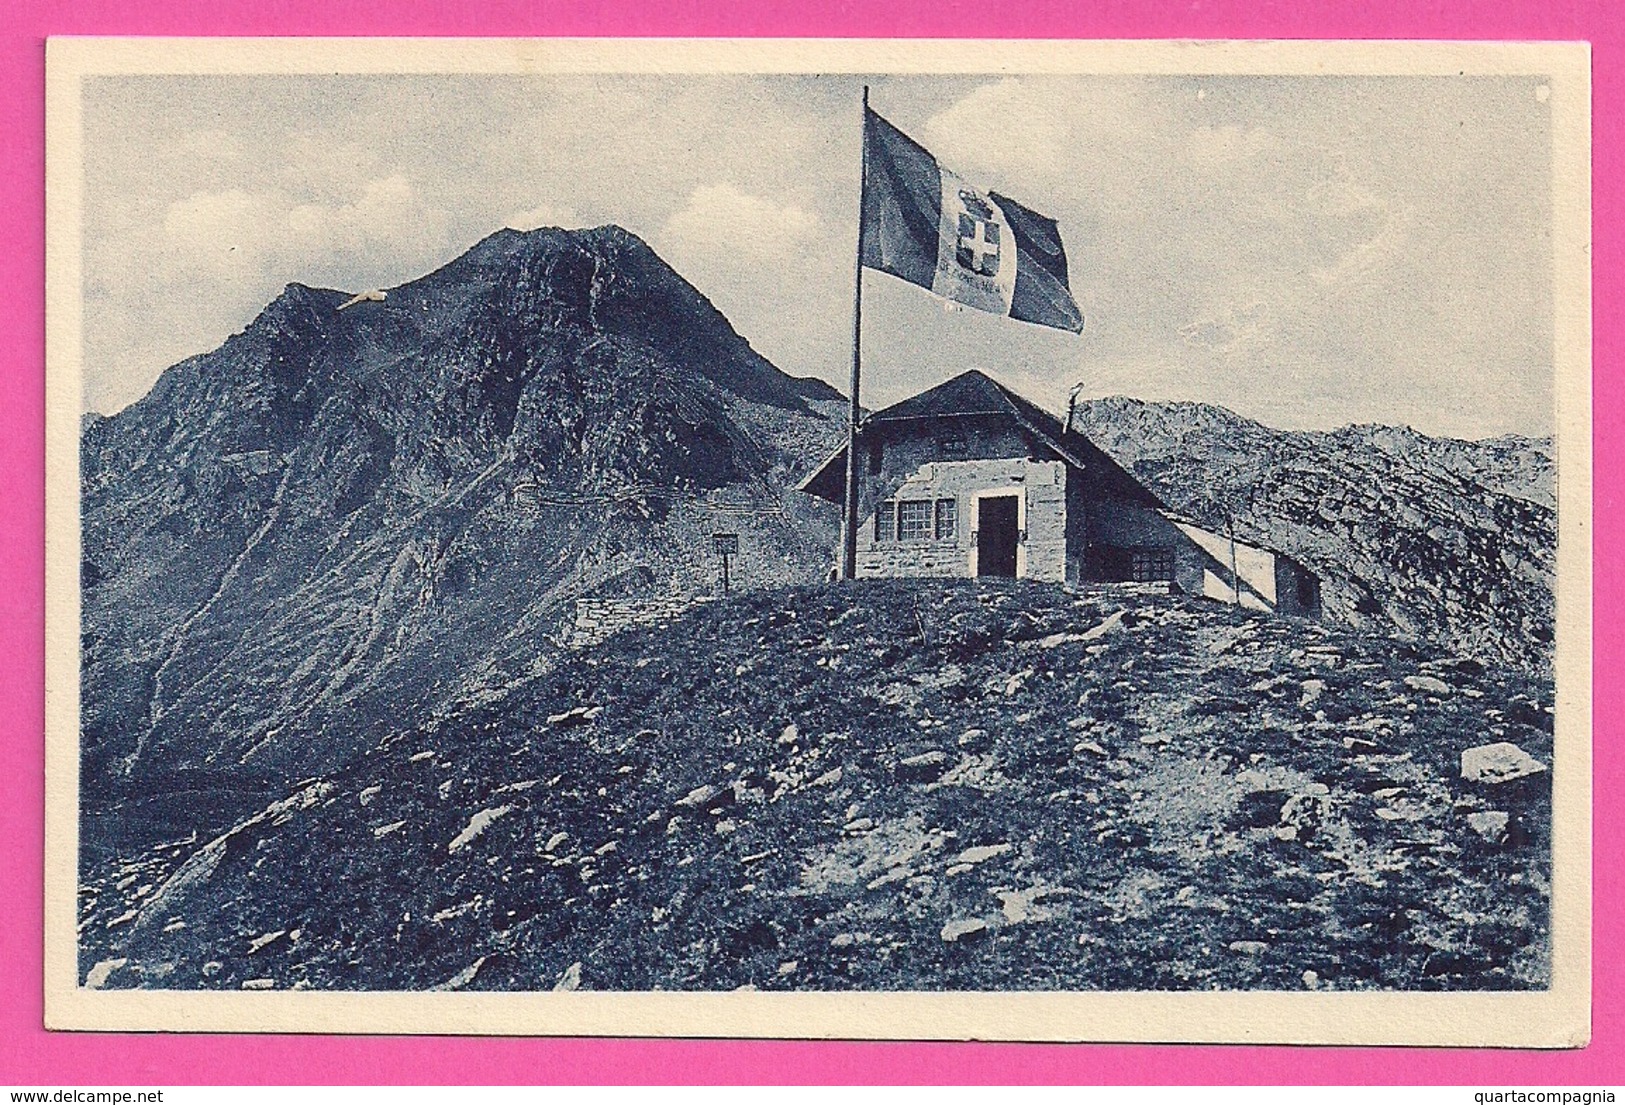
1426,538
894,785
347,517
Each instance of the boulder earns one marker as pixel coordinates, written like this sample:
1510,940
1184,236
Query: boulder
569,980
1501,762
982,852
1427,684
924,768
966,929
703,797
1490,824
975,740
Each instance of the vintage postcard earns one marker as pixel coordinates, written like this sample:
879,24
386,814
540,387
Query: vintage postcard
944,540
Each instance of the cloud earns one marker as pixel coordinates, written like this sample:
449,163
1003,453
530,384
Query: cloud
209,260
731,227
237,235
1310,249
1003,124
1235,330
222,235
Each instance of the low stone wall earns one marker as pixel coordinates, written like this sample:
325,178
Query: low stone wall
599,619
1151,587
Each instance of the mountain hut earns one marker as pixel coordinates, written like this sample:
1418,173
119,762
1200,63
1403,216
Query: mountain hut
970,479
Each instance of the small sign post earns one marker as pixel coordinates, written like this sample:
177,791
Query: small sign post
727,544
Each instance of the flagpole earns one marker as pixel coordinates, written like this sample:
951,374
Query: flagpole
849,520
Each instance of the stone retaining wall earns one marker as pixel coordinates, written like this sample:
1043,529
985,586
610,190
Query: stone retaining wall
599,619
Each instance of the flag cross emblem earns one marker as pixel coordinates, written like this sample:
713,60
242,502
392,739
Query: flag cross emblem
978,245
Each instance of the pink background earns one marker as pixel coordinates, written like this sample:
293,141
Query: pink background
28,1055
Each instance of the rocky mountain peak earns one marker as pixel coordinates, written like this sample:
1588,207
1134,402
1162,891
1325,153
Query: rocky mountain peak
379,499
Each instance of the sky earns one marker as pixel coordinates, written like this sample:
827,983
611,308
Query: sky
1307,251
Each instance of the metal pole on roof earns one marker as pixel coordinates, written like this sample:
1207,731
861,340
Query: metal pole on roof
849,516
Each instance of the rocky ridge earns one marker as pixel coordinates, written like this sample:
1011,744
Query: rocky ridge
1425,538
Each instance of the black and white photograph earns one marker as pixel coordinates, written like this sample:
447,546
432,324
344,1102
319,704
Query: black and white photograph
799,526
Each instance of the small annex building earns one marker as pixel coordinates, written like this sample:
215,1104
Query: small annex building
970,479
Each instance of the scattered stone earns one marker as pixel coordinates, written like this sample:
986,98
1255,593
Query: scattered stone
1054,640
1312,690
974,740
259,984
97,978
699,796
1090,746
896,874
966,929
1021,906
1490,824
476,825
418,757
1311,980
828,778
259,942
1501,762
923,768
1103,628
1428,684
554,841
982,852
570,979
790,735
1249,947
461,978
789,967
959,868
366,796
580,715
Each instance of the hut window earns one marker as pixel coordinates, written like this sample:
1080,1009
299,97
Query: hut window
1148,565
886,522
947,519
914,520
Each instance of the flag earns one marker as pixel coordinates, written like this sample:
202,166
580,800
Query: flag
925,224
